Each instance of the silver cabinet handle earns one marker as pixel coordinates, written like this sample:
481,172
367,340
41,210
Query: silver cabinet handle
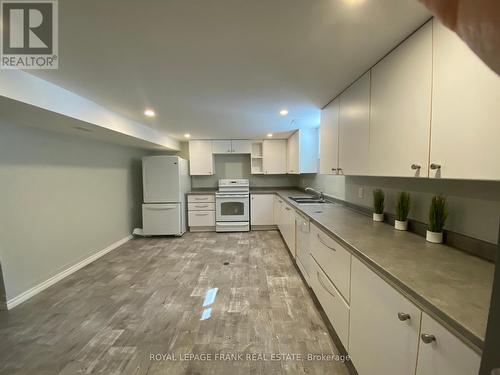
435,166
415,166
339,170
200,214
427,339
323,242
286,208
403,316
201,206
323,285
334,169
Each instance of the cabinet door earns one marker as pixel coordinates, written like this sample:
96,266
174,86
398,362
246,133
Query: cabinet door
277,210
329,139
261,209
354,133
308,150
447,355
293,153
241,146
201,160
289,227
379,342
400,108
221,147
465,112
274,156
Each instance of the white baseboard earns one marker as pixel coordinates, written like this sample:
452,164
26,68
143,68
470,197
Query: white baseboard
61,275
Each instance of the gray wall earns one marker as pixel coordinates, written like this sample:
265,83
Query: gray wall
238,166
474,205
63,199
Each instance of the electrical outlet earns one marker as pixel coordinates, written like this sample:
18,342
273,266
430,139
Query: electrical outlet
361,192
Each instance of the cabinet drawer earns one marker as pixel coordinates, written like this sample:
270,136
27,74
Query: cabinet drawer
333,259
196,198
334,305
201,206
201,218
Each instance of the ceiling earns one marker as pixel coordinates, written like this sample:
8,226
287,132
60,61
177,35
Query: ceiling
224,68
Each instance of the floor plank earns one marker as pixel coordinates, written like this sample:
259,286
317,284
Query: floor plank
146,298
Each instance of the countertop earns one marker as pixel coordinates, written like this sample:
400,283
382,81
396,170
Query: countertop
448,284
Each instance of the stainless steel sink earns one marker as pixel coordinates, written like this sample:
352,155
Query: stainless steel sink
307,200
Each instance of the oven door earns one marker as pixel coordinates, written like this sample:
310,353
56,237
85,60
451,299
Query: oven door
232,207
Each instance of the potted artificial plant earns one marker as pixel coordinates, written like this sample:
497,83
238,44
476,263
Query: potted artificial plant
378,205
438,212
402,210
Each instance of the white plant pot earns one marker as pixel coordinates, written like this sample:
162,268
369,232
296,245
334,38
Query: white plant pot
434,237
378,217
401,225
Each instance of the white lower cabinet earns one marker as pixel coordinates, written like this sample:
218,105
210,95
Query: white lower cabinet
261,209
384,326
288,227
333,258
201,212
336,309
442,353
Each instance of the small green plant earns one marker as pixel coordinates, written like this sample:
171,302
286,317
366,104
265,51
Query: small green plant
378,201
403,206
438,212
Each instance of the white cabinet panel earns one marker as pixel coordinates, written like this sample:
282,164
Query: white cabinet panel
400,108
329,139
274,156
379,342
288,227
201,218
465,111
221,147
293,152
354,133
333,258
241,146
447,355
201,161
201,198
333,304
261,209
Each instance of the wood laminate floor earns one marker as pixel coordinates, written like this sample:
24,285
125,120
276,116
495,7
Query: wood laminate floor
145,298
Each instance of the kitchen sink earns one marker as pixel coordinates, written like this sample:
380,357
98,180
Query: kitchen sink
307,200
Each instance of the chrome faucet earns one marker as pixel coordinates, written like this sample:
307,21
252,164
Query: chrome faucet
318,193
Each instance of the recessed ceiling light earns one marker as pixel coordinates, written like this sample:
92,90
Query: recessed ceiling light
284,112
187,135
270,135
149,113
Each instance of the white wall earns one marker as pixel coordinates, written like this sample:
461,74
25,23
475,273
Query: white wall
63,198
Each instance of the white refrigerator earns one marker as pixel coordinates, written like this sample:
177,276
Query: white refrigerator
166,181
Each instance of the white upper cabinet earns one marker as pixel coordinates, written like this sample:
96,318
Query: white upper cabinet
293,154
302,152
241,146
401,108
354,125
201,161
465,112
329,139
235,146
442,353
274,156
221,147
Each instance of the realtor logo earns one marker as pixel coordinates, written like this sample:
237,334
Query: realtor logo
29,34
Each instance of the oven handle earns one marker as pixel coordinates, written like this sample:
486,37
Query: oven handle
232,196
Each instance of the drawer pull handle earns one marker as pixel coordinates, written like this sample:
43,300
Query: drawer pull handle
201,214
323,242
201,205
323,285
427,339
403,316
286,208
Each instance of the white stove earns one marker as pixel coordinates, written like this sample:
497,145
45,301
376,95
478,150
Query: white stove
232,203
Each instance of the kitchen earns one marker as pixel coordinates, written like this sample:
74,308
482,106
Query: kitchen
355,236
